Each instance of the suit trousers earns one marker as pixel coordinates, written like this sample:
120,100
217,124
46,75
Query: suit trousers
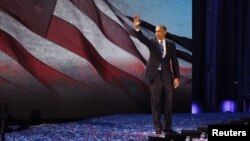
161,101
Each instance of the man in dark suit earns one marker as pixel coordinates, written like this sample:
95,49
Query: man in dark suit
163,74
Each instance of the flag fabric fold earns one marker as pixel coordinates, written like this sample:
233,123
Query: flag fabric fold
71,59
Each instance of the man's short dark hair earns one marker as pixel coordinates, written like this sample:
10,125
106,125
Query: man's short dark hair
162,26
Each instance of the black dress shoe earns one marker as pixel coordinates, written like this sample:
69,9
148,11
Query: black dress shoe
170,130
157,131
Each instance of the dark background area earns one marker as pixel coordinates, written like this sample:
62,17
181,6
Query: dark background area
221,66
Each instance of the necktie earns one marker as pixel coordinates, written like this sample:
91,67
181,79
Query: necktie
161,48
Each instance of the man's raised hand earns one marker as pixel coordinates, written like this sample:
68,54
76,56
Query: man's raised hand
137,21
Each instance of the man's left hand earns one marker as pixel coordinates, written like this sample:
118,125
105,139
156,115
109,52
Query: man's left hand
176,83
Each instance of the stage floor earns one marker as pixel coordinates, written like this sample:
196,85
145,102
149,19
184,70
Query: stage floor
116,127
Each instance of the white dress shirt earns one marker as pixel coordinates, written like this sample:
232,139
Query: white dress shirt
164,47
164,50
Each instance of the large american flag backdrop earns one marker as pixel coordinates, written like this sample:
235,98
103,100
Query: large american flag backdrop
74,59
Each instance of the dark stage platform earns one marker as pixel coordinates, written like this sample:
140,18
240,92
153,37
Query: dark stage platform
116,127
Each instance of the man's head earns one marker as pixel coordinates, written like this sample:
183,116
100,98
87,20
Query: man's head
160,32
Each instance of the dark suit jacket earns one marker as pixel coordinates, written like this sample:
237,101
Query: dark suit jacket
169,64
